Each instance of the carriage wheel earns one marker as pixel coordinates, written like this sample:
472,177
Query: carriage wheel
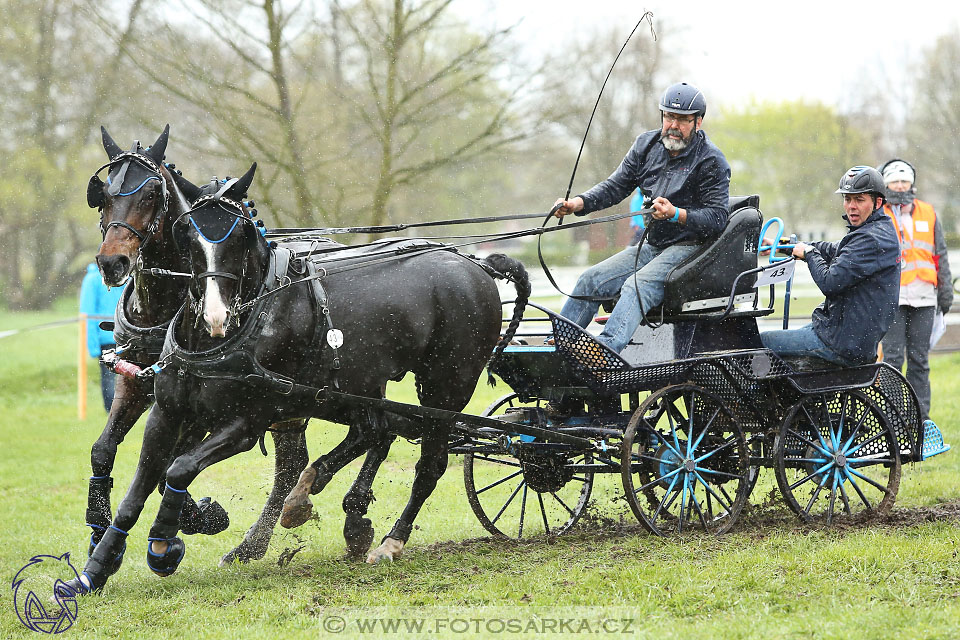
837,455
685,462
517,498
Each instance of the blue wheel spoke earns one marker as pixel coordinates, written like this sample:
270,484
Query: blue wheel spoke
867,442
807,441
817,472
816,493
669,446
869,480
714,472
856,430
658,480
696,503
833,496
706,427
726,444
856,487
683,506
835,437
663,503
710,491
844,497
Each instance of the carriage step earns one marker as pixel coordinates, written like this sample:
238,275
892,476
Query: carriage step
932,440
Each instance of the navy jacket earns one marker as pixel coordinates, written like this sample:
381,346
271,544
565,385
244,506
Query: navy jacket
697,180
860,277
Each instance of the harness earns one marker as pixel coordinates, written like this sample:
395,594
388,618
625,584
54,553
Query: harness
235,358
141,345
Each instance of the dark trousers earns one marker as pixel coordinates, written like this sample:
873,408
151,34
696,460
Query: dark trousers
108,381
910,333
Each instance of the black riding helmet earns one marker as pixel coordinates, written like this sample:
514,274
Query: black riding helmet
684,99
862,179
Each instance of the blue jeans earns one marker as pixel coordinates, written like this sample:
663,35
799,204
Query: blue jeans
801,342
615,274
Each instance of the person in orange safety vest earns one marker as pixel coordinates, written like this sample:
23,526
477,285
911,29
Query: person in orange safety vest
925,282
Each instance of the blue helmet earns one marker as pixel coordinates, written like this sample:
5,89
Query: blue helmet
684,99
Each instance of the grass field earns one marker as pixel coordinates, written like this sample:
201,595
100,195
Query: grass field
770,578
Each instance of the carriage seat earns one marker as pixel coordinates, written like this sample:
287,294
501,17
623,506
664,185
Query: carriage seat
703,281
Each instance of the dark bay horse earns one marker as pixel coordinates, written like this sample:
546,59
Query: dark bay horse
350,325
138,203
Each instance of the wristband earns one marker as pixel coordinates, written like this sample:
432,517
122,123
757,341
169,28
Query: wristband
676,215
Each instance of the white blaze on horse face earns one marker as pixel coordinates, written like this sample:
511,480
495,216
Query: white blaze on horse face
214,306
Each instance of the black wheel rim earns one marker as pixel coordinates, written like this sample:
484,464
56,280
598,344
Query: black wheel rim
685,463
504,501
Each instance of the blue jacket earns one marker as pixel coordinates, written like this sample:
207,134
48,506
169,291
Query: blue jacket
96,300
697,180
860,277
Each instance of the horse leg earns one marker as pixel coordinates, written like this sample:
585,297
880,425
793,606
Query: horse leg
357,530
205,516
159,437
130,401
430,467
165,550
290,457
365,430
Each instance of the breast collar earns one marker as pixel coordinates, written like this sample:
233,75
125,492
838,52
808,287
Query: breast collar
141,345
235,358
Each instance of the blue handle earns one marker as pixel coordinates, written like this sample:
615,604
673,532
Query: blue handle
773,258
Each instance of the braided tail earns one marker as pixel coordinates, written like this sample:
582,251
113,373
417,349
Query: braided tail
506,268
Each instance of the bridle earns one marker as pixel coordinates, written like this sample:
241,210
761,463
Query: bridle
97,200
232,208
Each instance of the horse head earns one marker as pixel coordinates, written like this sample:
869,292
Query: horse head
135,203
226,253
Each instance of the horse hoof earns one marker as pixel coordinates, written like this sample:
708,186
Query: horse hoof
295,515
243,554
359,536
114,566
164,564
390,549
207,518
74,588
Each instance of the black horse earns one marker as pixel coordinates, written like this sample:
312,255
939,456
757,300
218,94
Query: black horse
138,204
291,329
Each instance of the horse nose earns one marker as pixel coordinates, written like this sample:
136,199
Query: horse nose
114,269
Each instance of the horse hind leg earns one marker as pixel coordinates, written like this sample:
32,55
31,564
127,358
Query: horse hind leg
290,452
358,530
430,467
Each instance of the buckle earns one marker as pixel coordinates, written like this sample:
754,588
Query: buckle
284,386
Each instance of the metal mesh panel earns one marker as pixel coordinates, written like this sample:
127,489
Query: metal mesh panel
898,403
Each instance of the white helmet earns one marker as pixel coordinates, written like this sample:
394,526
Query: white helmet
897,170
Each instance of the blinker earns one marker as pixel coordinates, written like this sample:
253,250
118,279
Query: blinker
95,197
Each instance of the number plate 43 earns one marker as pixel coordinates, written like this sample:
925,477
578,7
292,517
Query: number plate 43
776,272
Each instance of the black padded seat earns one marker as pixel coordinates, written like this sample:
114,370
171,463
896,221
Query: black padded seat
703,281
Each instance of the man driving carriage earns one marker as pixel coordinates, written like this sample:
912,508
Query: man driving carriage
859,275
686,178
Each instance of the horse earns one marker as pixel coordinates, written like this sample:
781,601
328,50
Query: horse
138,204
265,331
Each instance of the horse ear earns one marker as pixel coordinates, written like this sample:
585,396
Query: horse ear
239,189
111,147
158,148
189,190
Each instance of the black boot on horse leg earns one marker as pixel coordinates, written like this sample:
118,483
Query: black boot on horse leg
165,551
99,565
358,530
430,467
99,517
290,457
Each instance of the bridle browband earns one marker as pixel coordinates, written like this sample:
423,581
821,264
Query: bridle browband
96,200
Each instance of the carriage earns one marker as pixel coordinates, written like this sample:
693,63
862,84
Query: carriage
688,415
691,413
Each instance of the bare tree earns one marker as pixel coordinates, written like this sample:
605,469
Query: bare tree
51,97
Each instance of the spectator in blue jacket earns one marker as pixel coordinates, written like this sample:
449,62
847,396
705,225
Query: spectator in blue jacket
99,303
688,180
860,277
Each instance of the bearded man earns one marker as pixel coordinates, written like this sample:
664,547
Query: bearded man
686,178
